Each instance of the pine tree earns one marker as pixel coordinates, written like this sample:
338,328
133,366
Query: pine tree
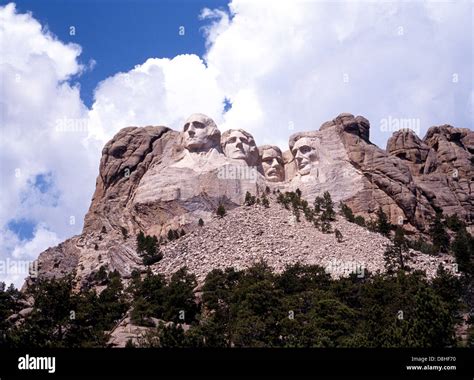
347,212
221,211
148,249
200,222
439,234
328,206
124,233
382,225
463,250
141,242
249,199
265,201
325,226
338,235
395,254
318,205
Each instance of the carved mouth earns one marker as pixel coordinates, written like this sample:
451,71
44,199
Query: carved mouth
238,153
303,163
271,172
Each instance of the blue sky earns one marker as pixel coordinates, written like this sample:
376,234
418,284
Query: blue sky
270,67
119,34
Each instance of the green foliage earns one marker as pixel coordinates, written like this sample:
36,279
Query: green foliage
180,305
421,245
382,226
328,208
463,249
174,234
200,222
325,226
173,301
339,236
9,304
454,223
249,199
395,254
62,318
438,234
148,249
100,277
149,299
299,307
303,307
324,209
221,211
347,212
359,220
265,202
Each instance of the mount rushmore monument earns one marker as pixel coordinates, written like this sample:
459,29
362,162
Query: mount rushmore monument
153,179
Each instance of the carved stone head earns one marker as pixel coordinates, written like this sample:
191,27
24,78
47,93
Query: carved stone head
240,145
272,163
200,133
304,148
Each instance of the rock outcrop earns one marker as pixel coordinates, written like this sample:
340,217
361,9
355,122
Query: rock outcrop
153,179
442,168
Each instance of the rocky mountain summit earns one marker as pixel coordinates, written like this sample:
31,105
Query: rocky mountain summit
154,179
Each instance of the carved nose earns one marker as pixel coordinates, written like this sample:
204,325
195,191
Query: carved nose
238,144
275,163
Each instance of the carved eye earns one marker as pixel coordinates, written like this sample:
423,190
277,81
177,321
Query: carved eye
198,125
186,126
232,140
305,149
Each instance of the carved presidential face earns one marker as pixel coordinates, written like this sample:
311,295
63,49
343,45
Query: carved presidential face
200,133
272,164
240,146
304,152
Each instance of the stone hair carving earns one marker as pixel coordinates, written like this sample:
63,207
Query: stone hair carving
240,145
200,134
304,148
272,163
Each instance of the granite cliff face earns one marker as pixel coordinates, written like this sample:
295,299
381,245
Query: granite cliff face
153,179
